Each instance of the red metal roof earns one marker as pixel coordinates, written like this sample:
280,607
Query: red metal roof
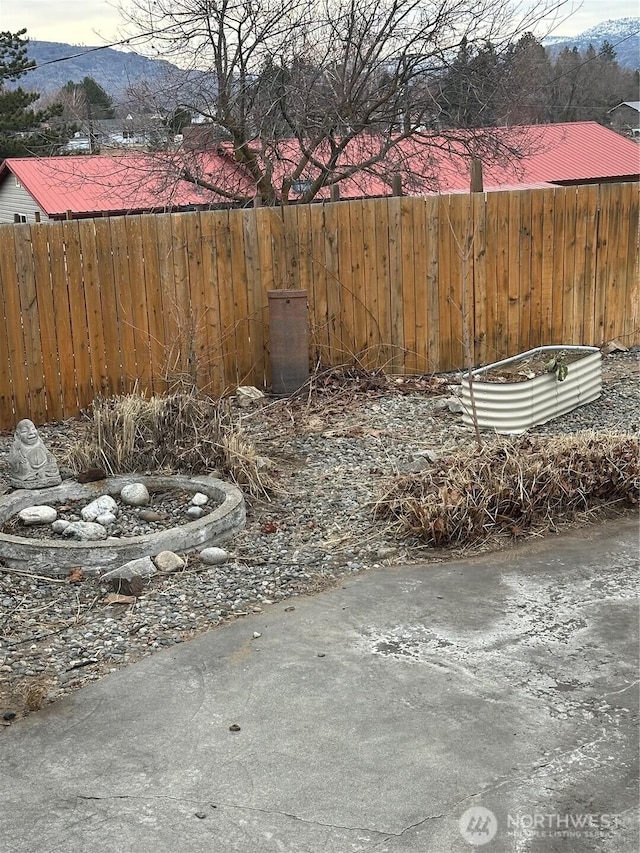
100,184
569,153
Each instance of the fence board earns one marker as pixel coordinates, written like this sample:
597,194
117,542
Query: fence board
30,322
95,306
109,307
631,201
240,301
559,259
123,292
15,341
78,313
479,280
334,289
542,277
432,210
95,327
416,328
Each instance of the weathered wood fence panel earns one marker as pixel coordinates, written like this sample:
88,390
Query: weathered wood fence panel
96,307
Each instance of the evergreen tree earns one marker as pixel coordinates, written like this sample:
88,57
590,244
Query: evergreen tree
25,131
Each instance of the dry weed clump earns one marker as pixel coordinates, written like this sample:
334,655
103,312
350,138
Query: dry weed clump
515,486
183,432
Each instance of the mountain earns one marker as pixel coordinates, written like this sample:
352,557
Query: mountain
114,70
622,33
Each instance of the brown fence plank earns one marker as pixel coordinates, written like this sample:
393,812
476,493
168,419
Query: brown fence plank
459,235
196,327
445,272
256,301
383,282
14,389
580,284
631,259
513,280
419,273
244,358
215,366
344,237
396,293
137,274
93,301
542,275
334,288
432,262
369,289
570,298
479,281
150,244
109,306
559,258
48,336
590,246
77,313
225,296
124,297
530,263
30,319
490,351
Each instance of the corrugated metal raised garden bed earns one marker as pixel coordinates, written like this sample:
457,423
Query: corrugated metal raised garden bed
521,392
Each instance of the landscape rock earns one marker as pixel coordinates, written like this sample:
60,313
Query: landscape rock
60,525
86,531
246,395
106,518
213,556
131,577
37,515
150,515
195,512
455,406
167,561
199,499
135,494
613,346
99,506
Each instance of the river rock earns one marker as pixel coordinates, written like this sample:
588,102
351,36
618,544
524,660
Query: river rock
86,531
32,515
199,499
105,503
195,512
213,556
150,515
167,561
135,494
60,525
106,518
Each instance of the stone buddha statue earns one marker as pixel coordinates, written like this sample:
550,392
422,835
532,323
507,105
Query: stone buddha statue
31,465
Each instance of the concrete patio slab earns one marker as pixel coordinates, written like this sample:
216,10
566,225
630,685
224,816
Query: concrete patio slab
484,704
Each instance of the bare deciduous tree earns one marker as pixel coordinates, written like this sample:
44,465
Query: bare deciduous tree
306,94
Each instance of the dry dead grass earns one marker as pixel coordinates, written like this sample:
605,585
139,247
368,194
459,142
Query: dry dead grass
515,486
182,432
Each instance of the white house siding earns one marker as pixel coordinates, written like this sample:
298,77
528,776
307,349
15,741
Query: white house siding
14,198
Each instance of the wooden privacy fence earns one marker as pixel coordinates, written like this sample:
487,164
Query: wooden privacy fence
90,307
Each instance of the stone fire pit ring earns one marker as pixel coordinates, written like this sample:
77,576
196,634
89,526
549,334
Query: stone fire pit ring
55,557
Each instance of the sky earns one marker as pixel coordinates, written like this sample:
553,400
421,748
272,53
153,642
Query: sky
92,22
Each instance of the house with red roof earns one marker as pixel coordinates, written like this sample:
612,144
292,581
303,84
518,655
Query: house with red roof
87,186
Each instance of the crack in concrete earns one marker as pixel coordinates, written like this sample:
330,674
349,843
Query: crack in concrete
221,804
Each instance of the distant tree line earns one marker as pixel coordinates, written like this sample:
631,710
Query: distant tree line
350,86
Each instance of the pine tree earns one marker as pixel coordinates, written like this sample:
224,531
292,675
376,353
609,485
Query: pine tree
25,131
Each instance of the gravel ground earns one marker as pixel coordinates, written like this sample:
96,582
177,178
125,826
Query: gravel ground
331,454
